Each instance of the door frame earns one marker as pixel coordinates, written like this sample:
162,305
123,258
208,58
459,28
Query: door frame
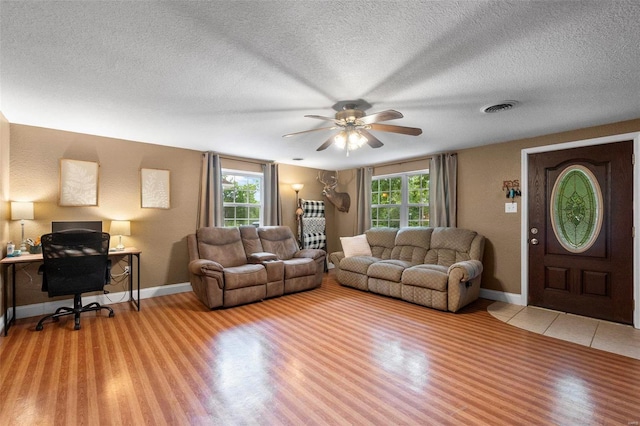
524,221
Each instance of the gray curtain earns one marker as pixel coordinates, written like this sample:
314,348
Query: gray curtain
210,212
363,200
443,182
272,204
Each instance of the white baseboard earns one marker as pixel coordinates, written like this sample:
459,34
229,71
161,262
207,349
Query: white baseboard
38,309
501,296
44,308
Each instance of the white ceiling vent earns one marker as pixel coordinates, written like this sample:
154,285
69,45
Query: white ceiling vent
499,107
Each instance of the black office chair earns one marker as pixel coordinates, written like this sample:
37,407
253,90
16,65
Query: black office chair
75,262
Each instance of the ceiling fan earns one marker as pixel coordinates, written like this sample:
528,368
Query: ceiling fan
354,126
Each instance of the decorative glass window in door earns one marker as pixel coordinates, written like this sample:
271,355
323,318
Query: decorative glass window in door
576,208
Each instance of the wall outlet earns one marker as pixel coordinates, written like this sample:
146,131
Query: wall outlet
511,207
127,269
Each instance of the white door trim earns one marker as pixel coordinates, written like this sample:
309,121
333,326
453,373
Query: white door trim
524,231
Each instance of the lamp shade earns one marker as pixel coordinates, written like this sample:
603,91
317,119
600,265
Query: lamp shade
21,210
297,186
120,227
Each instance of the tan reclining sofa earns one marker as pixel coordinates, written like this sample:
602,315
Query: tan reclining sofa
436,267
234,266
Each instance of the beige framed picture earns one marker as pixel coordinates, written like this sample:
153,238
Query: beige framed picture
78,183
155,188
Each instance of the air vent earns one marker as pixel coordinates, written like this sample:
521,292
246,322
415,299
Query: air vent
499,107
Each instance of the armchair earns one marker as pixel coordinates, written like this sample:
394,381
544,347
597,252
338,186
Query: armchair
75,262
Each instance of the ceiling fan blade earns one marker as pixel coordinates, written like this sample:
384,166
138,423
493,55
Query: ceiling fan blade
412,131
389,114
308,131
326,145
371,140
321,117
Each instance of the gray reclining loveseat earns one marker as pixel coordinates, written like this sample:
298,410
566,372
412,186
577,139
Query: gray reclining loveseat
234,266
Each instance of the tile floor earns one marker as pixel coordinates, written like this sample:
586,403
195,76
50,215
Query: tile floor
603,335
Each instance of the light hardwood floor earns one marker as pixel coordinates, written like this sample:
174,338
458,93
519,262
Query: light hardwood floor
333,355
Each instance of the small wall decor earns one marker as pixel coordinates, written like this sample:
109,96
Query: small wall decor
512,187
155,188
78,183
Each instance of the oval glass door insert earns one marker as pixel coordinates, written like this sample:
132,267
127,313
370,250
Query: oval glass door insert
576,208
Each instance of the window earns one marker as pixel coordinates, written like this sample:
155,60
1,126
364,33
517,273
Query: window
400,200
242,198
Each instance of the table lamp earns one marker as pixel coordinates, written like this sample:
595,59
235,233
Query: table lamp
120,228
21,210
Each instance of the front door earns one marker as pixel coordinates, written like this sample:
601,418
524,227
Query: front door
581,231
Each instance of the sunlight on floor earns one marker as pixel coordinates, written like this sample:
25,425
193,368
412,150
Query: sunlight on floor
607,336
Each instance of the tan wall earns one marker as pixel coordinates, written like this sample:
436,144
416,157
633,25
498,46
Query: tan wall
4,194
159,233
481,199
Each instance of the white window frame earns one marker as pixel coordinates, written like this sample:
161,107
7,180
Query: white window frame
404,206
252,175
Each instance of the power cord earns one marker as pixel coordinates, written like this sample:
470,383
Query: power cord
118,280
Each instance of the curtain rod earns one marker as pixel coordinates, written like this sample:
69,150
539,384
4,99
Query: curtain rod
246,160
399,163
411,160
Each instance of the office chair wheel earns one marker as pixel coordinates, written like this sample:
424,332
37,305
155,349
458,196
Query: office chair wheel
111,314
39,327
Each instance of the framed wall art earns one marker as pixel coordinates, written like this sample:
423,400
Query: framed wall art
155,189
78,183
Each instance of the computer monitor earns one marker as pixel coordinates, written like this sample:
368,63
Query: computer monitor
94,225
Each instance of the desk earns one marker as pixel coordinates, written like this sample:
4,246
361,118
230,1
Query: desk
11,262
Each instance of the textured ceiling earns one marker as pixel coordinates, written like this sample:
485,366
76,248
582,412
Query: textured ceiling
234,76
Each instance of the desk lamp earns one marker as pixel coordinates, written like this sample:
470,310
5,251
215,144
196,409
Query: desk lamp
21,211
120,228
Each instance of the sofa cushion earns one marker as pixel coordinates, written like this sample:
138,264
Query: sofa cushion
299,267
355,246
278,240
222,245
434,277
381,241
357,264
244,276
449,245
390,270
250,239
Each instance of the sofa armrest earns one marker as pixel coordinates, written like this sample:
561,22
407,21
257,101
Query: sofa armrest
336,257
311,253
464,284
262,256
464,271
204,267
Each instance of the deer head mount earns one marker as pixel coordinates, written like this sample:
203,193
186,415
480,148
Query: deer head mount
339,199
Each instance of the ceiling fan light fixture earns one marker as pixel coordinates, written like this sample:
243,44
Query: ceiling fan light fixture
350,139
341,139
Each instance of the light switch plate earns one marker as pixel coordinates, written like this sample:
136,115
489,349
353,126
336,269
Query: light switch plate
511,207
